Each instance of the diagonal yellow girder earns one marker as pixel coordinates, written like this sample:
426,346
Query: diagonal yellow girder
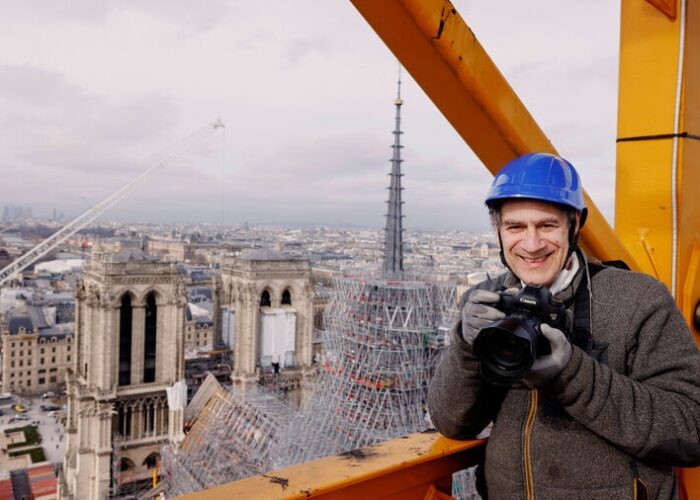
443,56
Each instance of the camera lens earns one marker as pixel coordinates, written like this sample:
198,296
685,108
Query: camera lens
507,349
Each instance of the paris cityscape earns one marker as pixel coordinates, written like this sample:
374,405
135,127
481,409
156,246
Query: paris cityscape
164,359
153,342
40,307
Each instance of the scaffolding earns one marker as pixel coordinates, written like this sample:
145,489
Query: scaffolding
382,339
381,345
234,436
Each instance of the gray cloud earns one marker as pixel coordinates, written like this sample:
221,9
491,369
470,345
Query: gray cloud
89,91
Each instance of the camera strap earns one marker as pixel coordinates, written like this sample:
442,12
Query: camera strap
581,335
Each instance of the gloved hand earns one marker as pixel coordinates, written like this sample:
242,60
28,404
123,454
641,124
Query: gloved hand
476,314
547,367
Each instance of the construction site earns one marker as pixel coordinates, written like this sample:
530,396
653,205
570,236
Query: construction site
383,336
382,342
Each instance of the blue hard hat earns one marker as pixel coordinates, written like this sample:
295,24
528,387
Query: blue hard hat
538,176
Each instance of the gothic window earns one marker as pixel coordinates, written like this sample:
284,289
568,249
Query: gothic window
152,460
265,299
126,464
149,356
125,323
124,420
286,298
150,420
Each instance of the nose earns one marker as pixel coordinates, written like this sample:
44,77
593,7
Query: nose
532,241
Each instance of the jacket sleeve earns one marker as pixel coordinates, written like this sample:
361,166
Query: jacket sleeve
460,404
652,411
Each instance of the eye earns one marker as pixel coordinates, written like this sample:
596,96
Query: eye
549,226
514,228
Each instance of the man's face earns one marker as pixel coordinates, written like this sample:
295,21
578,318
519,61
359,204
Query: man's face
535,238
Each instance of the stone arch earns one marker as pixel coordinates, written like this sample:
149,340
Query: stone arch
286,297
126,464
152,460
126,322
150,336
266,298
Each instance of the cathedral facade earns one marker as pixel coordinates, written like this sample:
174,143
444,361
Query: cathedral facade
265,305
125,391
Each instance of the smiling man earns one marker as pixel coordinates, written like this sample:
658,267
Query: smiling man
613,402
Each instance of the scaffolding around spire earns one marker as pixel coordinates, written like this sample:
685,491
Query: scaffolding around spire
381,345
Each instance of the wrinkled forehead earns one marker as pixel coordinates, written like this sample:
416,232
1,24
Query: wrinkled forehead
522,210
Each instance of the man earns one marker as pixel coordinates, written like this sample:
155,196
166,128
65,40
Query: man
616,404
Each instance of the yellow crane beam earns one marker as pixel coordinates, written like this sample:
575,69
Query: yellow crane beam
416,467
657,215
443,56
658,152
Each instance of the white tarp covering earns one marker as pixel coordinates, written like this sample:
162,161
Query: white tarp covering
49,315
199,312
177,395
228,327
278,336
59,266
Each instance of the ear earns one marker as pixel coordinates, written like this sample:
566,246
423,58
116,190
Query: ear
581,218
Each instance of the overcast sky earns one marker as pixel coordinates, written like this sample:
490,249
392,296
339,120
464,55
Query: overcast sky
91,90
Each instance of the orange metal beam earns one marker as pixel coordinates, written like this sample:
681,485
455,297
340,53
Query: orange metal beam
406,468
444,57
644,199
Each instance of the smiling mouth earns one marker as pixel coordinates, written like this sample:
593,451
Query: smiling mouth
533,260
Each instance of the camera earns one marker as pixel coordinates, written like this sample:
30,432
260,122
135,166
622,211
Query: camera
508,347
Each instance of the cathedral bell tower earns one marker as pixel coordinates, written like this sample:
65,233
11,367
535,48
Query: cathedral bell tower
126,392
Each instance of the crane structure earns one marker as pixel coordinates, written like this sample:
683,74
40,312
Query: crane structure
91,214
656,213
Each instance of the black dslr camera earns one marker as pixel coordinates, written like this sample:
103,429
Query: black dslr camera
508,347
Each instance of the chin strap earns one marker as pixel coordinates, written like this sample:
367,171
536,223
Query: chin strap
573,234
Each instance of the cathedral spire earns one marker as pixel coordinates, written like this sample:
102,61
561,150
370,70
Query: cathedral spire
393,243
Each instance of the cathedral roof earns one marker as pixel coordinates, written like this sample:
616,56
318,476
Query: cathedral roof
133,255
264,254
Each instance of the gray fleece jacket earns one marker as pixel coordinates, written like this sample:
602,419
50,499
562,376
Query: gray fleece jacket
599,430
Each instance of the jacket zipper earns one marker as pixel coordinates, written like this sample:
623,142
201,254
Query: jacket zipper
532,411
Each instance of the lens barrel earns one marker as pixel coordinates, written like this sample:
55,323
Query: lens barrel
507,348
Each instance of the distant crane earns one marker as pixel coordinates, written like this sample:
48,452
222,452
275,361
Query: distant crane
93,213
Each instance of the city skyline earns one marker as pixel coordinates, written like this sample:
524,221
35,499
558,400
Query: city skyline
91,91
